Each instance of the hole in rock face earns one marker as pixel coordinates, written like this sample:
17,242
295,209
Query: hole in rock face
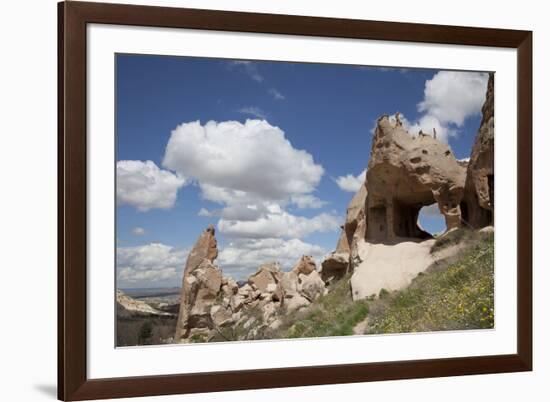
447,153
415,160
425,152
431,219
376,228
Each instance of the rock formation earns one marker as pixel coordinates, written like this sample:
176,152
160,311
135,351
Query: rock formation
404,174
266,278
478,204
215,307
381,243
201,284
346,255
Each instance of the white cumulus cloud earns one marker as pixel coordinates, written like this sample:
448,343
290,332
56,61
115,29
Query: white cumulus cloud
304,201
450,97
238,162
145,186
350,182
206,213
151,264
242,257
279,223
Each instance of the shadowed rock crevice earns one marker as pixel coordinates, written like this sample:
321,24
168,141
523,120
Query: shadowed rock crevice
479,200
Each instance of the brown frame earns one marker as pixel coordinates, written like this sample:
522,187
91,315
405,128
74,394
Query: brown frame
73,383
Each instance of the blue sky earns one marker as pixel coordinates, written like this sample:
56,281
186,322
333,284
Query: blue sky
317,117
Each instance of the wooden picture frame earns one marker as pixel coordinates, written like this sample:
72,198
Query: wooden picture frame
73,17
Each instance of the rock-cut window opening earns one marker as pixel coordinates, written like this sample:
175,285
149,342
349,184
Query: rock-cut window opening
432,220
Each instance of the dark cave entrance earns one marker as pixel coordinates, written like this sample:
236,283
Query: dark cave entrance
405,220
377,228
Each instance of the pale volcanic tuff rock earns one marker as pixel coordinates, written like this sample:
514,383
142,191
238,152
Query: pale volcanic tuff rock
478,204
405,173
267,274
305,265
212,303
346,255
201,284
384,247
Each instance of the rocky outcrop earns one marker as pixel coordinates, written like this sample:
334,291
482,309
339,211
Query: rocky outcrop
405,173
267,274
478,204
389,266
127,307
306,265
335,266
346,255
201,284
214,307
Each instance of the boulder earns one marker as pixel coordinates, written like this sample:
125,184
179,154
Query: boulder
271,287
311,286
236,302
269,311
305,265
203,286
288,286
478,205
267,274
296,302
229,287
221,316
335,266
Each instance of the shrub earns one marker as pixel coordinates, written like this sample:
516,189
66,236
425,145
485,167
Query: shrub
333,314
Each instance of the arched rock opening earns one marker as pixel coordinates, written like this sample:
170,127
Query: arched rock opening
406,173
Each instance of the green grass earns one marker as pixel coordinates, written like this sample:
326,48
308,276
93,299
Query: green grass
333,314
451,295
460,235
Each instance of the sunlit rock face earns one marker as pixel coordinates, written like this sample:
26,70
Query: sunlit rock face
201,284
405,173
478,204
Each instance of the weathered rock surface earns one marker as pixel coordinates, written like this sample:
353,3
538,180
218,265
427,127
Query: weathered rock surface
478,204
267,274
335,266
390,266
305,265
201,284
311,286
213,306
405,173
346,256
